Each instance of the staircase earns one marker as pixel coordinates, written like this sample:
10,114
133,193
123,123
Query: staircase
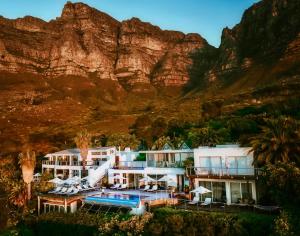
95,175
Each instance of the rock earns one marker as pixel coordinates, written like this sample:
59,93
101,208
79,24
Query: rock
84,41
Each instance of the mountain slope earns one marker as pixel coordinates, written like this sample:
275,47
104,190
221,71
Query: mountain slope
86,69
86,42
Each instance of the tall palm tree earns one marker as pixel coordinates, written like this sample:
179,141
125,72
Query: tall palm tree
279,141
27,160
83,142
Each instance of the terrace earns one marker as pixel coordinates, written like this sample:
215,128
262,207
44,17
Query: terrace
223,172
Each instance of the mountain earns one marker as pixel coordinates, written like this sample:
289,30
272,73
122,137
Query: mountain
86,69
86,42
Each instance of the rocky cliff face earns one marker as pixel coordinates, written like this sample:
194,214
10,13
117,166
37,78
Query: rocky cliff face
85,42
267,34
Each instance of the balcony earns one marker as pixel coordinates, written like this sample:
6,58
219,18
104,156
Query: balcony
165,164
222,172
93,164
130,165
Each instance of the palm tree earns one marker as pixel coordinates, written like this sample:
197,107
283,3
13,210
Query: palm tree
279,141
18,194
83,141
27,160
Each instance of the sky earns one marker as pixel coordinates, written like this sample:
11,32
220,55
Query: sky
206,17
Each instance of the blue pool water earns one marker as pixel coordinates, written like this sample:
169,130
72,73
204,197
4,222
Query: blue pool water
114,199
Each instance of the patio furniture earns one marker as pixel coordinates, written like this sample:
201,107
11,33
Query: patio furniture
147,187
79,188
206,202
69,190
55,190
194,201
116,186
123,186
63,190
75,191
154,188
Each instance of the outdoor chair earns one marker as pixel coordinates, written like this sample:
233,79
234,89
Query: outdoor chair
194,201
55,190
74,191
69,190
80,189
116,186
206,202
123,186
147,187
154,188
63,190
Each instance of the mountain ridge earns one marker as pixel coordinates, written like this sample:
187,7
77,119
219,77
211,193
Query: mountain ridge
87,70
85,41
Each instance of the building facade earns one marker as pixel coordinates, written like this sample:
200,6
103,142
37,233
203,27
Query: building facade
226,170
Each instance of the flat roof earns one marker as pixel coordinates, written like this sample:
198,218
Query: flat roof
77,151
169,151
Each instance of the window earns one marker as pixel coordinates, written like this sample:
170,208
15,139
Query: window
246,190
240,191
235,192
96,153
218,190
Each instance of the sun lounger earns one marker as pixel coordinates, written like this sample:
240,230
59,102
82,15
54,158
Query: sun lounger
116,186
68,191
63,190
74,191
55,190
80,189
154,188
206,202
147,187
194,201
123,186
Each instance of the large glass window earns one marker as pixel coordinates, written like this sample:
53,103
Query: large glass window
240,191
219,191
246,190
235,192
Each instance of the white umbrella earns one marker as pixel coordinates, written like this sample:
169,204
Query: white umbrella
56,181
37,175
147,179
165,179
201,190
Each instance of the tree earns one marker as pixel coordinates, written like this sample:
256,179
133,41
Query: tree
123,141
27,160
279,141
204,137
83,141
160,142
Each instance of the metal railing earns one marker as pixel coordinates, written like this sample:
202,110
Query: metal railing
222,171
73,163
165,164
130,165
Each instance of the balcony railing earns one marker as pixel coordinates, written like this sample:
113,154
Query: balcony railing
222,171
125,165
165,164
73,163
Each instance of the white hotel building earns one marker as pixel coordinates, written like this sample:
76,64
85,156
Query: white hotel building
227,170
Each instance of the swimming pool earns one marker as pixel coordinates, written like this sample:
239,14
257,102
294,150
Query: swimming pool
114,199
